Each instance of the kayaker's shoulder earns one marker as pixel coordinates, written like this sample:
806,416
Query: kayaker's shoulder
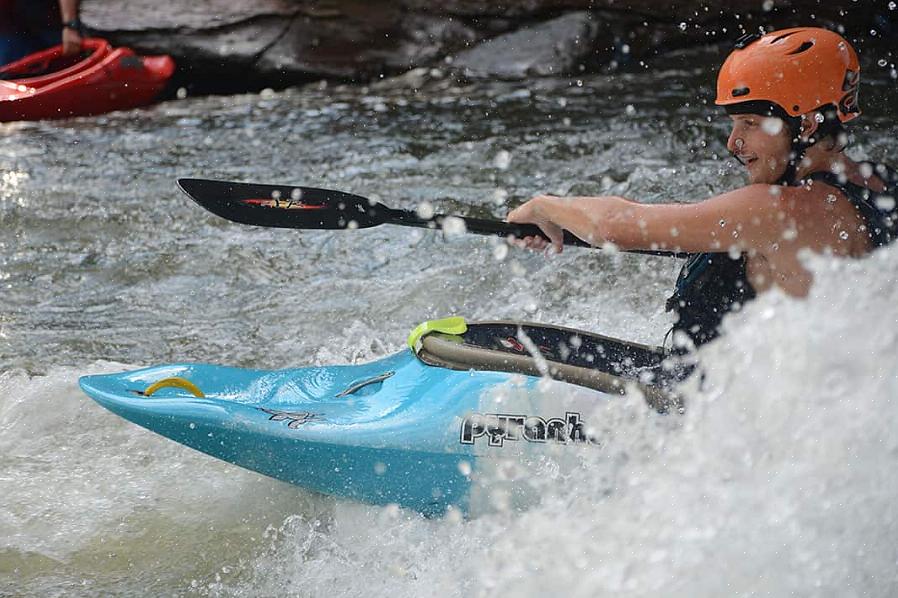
782,199
751,199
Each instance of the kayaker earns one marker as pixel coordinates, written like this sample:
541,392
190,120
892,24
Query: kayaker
28,26
788,94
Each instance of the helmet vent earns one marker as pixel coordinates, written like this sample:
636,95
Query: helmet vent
802,48
741,91
783,36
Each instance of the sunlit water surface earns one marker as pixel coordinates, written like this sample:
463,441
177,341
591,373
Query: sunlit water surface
779,480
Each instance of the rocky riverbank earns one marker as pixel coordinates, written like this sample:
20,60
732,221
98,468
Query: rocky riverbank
233,45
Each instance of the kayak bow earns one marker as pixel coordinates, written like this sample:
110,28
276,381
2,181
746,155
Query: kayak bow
49,85
395,430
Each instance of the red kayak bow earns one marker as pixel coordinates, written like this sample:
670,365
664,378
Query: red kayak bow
101,79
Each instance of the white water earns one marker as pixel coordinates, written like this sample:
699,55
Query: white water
778,481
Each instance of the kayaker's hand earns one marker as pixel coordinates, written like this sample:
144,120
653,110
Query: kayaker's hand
71,41
535,212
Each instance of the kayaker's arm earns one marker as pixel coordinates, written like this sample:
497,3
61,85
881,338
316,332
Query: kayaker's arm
748,219
71,26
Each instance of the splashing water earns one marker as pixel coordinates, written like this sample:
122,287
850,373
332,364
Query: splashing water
776,481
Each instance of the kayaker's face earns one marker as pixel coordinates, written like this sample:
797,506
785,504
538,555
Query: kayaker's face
762,144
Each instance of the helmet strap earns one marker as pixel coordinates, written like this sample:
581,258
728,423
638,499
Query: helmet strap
796,153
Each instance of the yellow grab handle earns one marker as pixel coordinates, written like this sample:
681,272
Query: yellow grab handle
175,383
452,325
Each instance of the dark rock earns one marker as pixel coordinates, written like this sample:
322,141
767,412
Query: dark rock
229,45
515,9
279,41
555,47
195,15
362,45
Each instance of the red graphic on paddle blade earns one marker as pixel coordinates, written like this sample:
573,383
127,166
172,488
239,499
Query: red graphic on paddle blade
283,204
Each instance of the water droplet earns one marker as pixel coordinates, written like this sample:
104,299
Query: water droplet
892,5
296,194
772,126
453,516
276,194
630,110
819,117
380,468
682,26
454,226
767,6
500,252
425,210
181,93
843,235
502,160
500,196
464,468
192,426
579,83
882,62
885,202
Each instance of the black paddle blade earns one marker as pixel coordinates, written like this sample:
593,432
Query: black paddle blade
284,206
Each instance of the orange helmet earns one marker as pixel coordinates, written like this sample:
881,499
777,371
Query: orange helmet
798,69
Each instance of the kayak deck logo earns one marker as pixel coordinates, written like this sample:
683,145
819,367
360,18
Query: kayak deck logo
499,427
295,419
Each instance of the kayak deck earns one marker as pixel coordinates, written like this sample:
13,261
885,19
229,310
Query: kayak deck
395,430
382,432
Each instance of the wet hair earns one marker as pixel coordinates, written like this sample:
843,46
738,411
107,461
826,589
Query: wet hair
831,127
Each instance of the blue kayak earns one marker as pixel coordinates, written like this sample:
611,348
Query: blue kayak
412,429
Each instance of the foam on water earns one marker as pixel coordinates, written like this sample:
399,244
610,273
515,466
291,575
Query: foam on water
777,481
94,503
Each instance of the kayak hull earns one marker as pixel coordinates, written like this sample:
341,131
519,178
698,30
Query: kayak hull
391,431
108,79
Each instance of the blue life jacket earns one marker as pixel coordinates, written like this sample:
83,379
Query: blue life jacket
710,285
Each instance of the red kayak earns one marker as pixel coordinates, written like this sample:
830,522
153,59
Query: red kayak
49,85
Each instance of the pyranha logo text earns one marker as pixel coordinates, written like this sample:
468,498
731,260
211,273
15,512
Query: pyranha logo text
499,427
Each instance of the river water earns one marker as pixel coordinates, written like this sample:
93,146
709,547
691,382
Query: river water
779,480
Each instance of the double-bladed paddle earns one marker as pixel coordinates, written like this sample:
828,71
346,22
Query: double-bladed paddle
287,206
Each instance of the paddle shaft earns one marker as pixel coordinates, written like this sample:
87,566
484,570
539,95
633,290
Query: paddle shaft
499,228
